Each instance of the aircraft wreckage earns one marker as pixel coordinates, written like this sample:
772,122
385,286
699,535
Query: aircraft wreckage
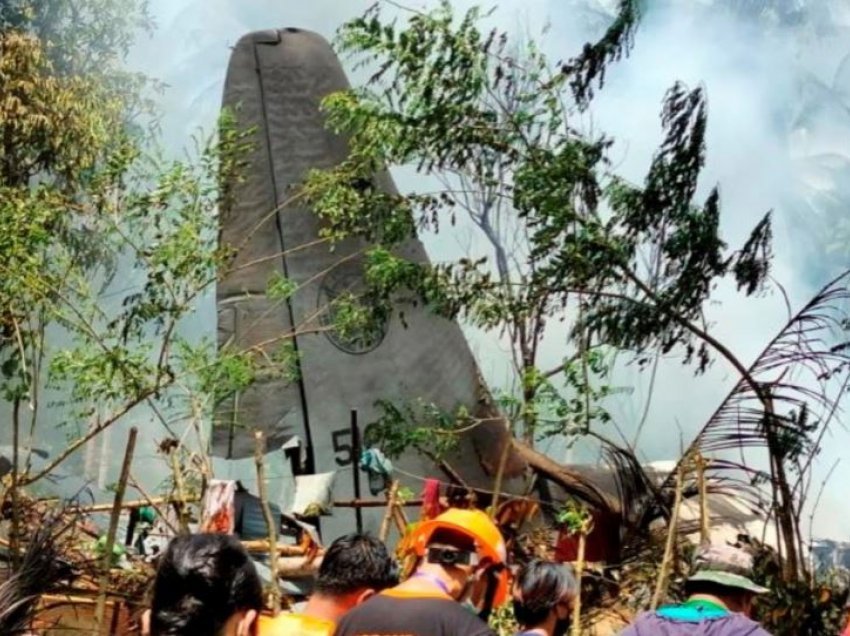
275,83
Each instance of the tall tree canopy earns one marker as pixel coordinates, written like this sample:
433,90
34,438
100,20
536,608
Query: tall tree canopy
495,128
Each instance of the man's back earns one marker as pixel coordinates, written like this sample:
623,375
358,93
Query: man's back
680,620
402,613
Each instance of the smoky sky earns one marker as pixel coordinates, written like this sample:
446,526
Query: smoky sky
777,77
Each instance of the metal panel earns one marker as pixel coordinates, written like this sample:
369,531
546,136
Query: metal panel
276,85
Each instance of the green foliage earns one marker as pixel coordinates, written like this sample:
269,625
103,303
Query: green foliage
574,518
83,194
280,288
419,425
503,622
624,266
797,607
218,373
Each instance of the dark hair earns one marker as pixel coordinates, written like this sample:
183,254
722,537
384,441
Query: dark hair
202,580
454,538
539,587
711,588
356,562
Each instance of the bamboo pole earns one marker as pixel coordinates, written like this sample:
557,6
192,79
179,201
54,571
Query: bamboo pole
704,526
376,503
388,514
582,546
179,491
262,545
129,505
500,475
259,453
106,563
14,533
400,519
661,584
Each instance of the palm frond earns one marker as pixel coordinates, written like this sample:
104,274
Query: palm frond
799,373
635,490
40,570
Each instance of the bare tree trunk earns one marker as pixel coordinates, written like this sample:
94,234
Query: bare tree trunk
672,531
582,545
259,453
106,562
179,490
704,525
14,532
571,481
388,515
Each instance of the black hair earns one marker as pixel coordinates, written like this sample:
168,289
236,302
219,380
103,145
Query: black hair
454,538
539,587
710,588
202,580
356,562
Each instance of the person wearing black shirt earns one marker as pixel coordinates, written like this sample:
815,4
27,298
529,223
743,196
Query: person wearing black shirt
460,572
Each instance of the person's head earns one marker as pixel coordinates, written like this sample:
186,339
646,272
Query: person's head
543,595
466,549
206,585
355,567
723,572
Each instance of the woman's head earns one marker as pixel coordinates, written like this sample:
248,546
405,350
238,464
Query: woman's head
543,595
206,585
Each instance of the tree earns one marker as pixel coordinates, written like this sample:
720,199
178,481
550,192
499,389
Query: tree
106,249
621,266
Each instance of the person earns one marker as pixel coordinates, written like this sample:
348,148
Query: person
206,584
846,617
460,569
543,595
354,568
720,601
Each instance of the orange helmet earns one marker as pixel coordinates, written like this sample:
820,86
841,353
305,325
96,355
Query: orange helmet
477,525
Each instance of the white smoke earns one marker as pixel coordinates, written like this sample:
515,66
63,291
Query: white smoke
778,86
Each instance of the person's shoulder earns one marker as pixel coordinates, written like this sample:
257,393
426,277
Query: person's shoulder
290,623
471,623
740,625
648,622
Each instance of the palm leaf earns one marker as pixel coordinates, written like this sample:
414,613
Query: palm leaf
40,571
798,370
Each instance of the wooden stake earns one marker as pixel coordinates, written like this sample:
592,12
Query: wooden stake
388,515
262,545
142,503
582,545
661,584
500,475
376,503
259,453
704,526
106,563
179,491
400,520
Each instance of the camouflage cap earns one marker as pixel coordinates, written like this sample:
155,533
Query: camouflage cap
725,565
